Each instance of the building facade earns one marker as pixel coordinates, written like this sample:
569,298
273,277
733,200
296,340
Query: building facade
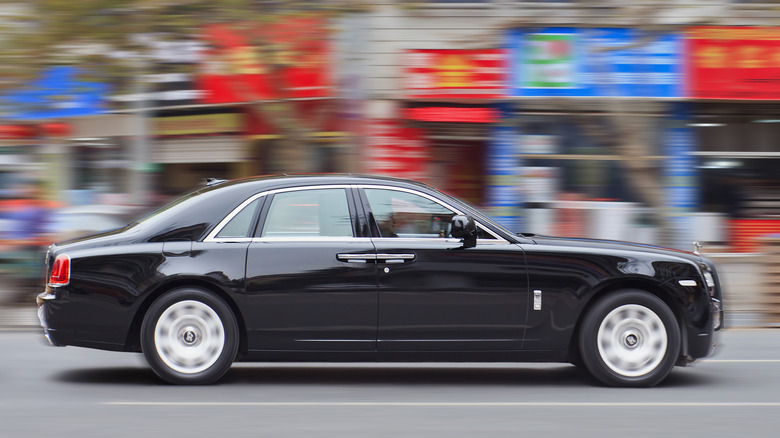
648,120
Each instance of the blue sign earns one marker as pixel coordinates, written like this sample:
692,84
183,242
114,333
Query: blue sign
58,93
600,62
503,196
681,176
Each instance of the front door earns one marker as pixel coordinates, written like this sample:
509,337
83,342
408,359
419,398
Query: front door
433,294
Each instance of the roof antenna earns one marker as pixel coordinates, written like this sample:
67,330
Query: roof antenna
213,181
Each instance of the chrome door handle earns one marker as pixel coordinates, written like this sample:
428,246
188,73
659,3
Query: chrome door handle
356,258
396,258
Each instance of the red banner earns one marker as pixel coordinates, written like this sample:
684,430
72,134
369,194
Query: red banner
734,62
395,150
261,61
452,114
746,234
478,74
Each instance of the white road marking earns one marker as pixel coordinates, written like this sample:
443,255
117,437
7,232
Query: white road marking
741,360
451,404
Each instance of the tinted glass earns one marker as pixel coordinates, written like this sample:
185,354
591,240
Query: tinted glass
304,213
402,214
242,224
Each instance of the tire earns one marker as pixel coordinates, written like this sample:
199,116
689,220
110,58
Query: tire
189,336
630,338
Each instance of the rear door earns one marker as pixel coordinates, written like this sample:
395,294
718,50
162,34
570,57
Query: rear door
310,276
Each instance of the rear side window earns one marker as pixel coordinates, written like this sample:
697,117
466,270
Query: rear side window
242,224
309,213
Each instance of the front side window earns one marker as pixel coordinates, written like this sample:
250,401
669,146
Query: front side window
403,214
309,213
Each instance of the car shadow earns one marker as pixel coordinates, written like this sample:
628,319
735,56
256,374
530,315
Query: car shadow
558,375
562,375
123,375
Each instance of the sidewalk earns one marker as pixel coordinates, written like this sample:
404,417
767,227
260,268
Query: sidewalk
19,317
26,318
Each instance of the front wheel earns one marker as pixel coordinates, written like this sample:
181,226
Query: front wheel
189,336
630,338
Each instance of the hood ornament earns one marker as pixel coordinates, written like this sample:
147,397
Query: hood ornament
696,247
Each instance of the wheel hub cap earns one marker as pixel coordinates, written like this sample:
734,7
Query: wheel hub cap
632,340
189,337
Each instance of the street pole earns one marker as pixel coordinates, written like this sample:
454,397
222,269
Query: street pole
140,146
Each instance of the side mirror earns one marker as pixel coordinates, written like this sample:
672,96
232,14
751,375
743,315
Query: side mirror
464,227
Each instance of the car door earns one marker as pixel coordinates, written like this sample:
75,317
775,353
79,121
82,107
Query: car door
434,295
310,278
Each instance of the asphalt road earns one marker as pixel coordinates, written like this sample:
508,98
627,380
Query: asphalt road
74,392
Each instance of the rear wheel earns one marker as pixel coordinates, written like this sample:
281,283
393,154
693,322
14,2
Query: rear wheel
189,336
630,338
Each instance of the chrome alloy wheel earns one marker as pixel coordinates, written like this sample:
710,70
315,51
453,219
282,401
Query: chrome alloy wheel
189,337
632,340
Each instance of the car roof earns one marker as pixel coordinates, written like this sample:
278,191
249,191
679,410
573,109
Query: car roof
329,178
271,182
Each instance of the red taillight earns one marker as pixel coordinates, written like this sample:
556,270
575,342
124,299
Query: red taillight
60,271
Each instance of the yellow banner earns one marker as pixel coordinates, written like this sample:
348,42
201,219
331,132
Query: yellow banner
200,124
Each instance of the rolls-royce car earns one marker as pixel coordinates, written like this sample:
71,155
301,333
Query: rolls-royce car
356,268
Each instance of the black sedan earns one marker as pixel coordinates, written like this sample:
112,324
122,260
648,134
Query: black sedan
358,268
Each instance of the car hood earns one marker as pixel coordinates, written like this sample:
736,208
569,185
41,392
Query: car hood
613,245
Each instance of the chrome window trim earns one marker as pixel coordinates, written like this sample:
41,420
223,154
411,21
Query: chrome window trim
310,239
212,235
436,200
211,238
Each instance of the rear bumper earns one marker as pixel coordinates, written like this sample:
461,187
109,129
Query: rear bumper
43,316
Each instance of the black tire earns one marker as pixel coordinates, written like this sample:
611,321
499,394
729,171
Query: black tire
630,338
189,336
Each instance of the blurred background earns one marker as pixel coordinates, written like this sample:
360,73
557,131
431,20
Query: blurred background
651,121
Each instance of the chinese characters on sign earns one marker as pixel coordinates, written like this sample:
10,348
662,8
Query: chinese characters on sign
454,74
734,62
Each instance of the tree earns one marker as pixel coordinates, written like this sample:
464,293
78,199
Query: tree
260,48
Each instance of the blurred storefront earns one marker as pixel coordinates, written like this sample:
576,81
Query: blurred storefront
38,122
442,127
590,107
191,145
732,76
18,161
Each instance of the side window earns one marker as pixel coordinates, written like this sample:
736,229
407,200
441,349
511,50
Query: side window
402,214
242,224
482,234
306,213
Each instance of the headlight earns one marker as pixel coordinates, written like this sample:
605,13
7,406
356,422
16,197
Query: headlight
716,322
709,279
